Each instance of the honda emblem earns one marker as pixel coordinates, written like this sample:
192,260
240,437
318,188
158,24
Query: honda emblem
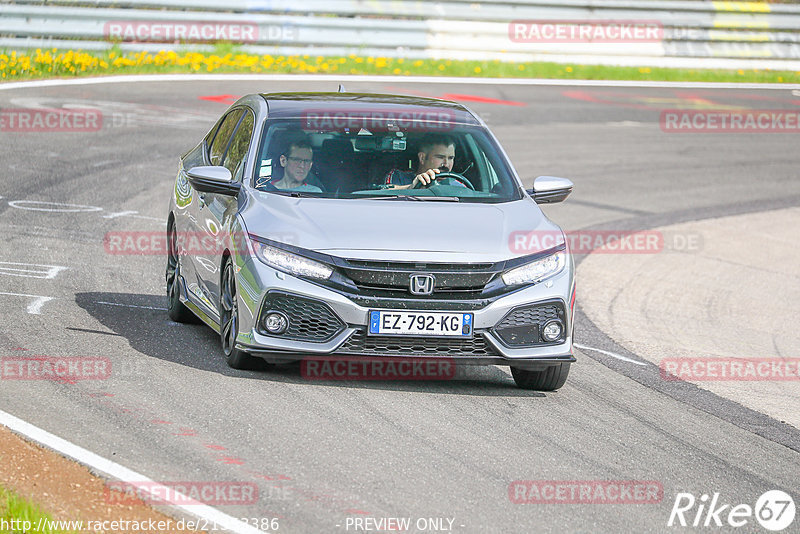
421,284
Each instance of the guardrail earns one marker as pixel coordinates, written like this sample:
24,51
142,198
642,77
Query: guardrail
690,32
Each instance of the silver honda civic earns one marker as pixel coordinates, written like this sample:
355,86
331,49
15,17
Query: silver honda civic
365,226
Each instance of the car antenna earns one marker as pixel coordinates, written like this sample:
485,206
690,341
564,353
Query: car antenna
341,88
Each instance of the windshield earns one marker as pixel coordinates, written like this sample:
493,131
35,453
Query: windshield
356,160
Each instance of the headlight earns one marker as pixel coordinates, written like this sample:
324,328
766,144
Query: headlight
291,263
536,271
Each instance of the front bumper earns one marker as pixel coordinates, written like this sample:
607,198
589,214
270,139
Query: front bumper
261,287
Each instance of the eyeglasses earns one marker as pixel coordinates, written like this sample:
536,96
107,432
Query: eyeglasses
301,160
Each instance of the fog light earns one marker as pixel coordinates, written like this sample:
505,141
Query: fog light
552,330
276,323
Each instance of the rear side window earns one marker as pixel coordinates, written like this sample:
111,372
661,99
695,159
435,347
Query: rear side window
223,136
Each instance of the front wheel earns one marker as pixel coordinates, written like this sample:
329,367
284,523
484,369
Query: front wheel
548,379
177,311
229,321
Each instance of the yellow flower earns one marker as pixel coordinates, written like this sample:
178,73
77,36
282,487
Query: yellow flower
568,69
521,67
644,70
396,71
441,67
477,70
740,71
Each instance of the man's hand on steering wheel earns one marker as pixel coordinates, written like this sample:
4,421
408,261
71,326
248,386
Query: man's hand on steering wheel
429,178
425,179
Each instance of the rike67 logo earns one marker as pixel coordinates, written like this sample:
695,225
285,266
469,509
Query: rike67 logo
774,510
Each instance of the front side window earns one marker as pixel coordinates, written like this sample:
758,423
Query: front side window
223,137
237,150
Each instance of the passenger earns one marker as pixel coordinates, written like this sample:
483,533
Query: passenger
296,162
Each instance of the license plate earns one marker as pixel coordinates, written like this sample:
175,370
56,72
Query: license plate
408,323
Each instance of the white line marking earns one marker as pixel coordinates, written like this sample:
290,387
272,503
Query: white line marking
607,353
47,273
70,208
122,473
35,307
119,214
131,214
131,306
333,79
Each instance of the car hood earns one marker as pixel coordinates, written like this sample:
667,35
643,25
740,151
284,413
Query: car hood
403,230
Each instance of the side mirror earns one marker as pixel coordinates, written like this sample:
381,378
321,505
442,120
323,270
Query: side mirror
213,180
550,189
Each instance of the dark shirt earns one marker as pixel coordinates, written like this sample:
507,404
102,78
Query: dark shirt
398,177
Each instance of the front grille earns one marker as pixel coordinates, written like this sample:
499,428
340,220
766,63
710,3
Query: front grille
361,343
461,280
309,320
394,265
522,325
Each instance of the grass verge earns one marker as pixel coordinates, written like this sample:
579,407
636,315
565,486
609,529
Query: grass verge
227,59
21,515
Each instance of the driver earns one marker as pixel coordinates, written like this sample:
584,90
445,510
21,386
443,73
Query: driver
437,153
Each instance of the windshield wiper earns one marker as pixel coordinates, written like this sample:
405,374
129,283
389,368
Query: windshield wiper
438,199
297,194
414,198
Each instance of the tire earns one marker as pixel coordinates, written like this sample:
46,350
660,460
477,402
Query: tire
229,322
177,311
548,379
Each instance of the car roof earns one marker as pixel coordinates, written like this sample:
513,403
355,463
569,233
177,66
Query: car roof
296,105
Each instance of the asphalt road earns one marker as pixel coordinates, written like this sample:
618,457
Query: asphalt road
323,452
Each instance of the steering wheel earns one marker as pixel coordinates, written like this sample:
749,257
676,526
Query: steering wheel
452,175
